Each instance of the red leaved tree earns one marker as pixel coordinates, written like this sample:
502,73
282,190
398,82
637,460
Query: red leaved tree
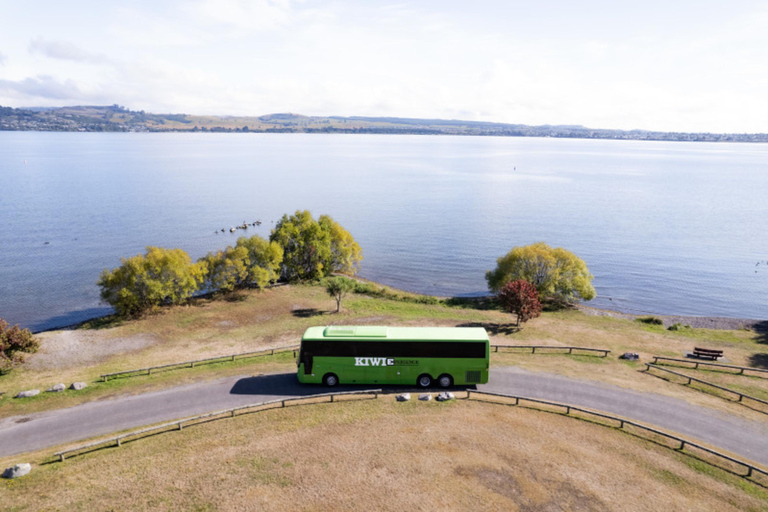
520,298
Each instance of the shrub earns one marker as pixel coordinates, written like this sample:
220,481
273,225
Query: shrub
651,320
15,343
144,282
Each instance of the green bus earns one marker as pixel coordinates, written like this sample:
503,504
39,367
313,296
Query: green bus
417,356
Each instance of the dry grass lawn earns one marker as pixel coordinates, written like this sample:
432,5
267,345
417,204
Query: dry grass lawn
383,455
248,321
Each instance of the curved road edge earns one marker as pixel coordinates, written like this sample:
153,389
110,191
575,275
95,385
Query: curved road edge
21,434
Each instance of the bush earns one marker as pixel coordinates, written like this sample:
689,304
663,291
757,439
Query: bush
15,343
144,282
678,327
651,320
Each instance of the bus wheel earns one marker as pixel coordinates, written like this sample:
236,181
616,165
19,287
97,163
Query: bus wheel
330,380
445,381
424,381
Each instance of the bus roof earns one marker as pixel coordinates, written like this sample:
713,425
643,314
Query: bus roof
378,333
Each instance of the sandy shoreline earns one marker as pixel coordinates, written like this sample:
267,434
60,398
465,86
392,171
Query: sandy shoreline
699,322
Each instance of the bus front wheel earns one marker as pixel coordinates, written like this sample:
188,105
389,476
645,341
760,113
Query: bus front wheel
445,381
424,381
330,380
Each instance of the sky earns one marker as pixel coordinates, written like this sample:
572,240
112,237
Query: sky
696,66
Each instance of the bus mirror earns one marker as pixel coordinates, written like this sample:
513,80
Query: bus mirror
294,354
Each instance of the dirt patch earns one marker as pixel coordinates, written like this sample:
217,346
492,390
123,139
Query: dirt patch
532,493
75,348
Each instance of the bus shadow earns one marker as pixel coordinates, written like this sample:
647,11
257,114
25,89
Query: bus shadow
286,384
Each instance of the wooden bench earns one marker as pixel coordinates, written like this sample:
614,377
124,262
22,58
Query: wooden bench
707,353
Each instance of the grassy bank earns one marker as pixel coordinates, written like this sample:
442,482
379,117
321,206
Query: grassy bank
248,321
383,455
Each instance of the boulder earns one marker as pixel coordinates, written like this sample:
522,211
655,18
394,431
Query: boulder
28,393
17,471
77,386
404,397
629,356
445,395
426,397
57,388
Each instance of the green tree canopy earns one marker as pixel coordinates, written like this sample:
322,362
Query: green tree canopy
346,254
338,287
15,343
556,273
262,260
314,249
144,282
225,270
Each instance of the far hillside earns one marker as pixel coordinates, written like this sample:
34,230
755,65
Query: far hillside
117,118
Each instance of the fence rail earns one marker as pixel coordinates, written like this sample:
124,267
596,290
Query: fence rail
741,369
750,468
191,364
691,379
226,413
552,347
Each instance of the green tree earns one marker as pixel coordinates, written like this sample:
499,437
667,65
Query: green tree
346,254
225,270
520,298
263,260
144,282
15,343
556,273
314,249
338,287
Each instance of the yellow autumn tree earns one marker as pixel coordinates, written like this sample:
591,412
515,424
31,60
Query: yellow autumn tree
555,272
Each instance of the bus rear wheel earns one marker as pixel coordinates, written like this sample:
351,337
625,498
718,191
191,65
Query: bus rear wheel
445,381
330,380
424,381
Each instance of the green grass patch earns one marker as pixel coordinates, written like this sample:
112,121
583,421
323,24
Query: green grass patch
717,473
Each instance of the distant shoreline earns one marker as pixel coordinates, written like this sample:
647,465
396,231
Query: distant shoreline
116,118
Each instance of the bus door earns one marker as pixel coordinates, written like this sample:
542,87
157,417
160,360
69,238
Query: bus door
307,359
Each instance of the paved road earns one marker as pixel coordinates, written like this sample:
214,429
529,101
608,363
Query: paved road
21,434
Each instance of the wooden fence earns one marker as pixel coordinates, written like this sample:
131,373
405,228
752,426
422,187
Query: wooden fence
552,347
741,369
717,386
211,416
751,469
191,364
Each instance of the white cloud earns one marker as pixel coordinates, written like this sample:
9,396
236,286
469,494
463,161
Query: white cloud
247,15
698,68
43,86
65,51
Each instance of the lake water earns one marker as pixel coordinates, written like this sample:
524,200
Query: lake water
668,228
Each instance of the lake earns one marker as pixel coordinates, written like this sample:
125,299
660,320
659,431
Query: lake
665,227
